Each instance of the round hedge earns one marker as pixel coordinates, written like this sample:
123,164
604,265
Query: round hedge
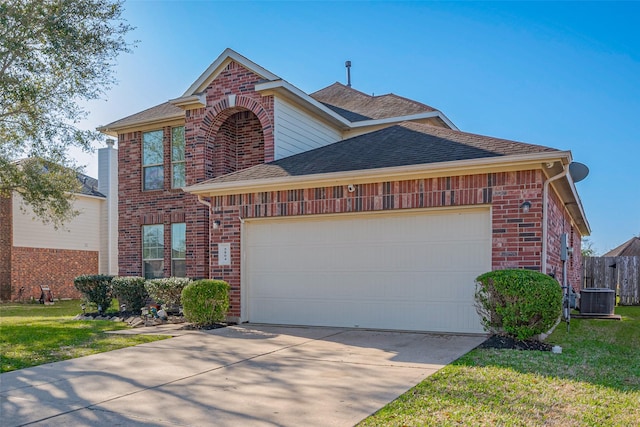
520,303
205,302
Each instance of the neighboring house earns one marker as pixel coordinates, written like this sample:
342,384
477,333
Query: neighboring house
335,208
33,253
629,248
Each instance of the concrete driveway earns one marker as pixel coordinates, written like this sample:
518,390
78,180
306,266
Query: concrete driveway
254,375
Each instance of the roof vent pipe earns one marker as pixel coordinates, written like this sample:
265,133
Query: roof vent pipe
348,65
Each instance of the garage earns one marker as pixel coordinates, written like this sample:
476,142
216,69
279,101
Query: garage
409,270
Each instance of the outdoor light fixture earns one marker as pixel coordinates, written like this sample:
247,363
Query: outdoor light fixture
216,224
525,207
83,307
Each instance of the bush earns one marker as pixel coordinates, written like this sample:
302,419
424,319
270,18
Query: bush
167,291
205,302
520,303
130,291
96,290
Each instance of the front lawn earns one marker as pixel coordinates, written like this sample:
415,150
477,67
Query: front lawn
594,382
34,334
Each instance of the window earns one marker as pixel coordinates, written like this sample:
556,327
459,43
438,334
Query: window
178,249
177,157
153,251
152,160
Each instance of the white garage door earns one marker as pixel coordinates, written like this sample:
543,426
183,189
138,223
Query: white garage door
410,271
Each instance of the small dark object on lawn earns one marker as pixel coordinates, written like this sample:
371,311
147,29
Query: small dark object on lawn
507,342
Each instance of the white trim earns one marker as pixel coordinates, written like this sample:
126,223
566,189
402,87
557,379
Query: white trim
291,92
282,87
198,100
244,282
399,119
457,167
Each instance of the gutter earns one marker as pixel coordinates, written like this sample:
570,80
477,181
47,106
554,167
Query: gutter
545,213
361,176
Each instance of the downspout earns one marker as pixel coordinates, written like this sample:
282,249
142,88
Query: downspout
545,219
206,203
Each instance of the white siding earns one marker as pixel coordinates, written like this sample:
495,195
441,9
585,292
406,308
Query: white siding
81,233
297,131
108,185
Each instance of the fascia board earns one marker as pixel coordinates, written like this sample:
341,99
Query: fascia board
192,101
584,226
113,131
216,66
294,94
398,119
454,168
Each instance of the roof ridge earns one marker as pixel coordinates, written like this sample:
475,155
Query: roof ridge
404,98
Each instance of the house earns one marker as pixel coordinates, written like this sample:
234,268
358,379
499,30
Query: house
334,208
33,253
629,248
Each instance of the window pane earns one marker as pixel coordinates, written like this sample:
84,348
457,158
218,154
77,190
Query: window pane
178,175
152,241
177,144
178,240
153,251
153,177
153,269
152,148
179,268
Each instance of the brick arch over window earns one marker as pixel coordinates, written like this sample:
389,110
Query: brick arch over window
222,109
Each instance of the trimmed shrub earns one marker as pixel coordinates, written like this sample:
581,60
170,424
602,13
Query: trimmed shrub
130,291
205,301
167,291
520,303
95,289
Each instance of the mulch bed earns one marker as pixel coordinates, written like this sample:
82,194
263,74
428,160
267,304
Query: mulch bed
190,327
506,342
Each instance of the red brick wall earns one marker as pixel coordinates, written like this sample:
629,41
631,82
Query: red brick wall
560,222
137,207
239,143
516,237
234,131
6,242
57,268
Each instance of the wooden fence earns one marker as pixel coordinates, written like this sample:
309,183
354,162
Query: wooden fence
621,274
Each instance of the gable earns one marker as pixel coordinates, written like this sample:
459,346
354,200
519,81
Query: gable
220,65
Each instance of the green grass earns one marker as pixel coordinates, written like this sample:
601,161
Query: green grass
34,334
594,382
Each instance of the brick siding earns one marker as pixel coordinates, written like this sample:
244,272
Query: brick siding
516,236
233,132
559,223
32,267
6,242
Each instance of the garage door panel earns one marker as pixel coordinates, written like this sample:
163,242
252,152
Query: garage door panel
411,271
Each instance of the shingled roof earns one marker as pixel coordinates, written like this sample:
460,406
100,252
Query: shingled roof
401,145
629,248
356,106
166,110
89,186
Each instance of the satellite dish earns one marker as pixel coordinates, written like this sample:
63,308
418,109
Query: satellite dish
578,171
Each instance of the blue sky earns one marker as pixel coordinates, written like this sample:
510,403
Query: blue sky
560,74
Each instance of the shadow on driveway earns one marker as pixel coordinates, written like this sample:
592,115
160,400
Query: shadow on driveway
242,375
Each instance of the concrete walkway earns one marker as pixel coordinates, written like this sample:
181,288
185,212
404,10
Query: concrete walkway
250,375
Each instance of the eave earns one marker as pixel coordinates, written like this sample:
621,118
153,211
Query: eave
453,168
